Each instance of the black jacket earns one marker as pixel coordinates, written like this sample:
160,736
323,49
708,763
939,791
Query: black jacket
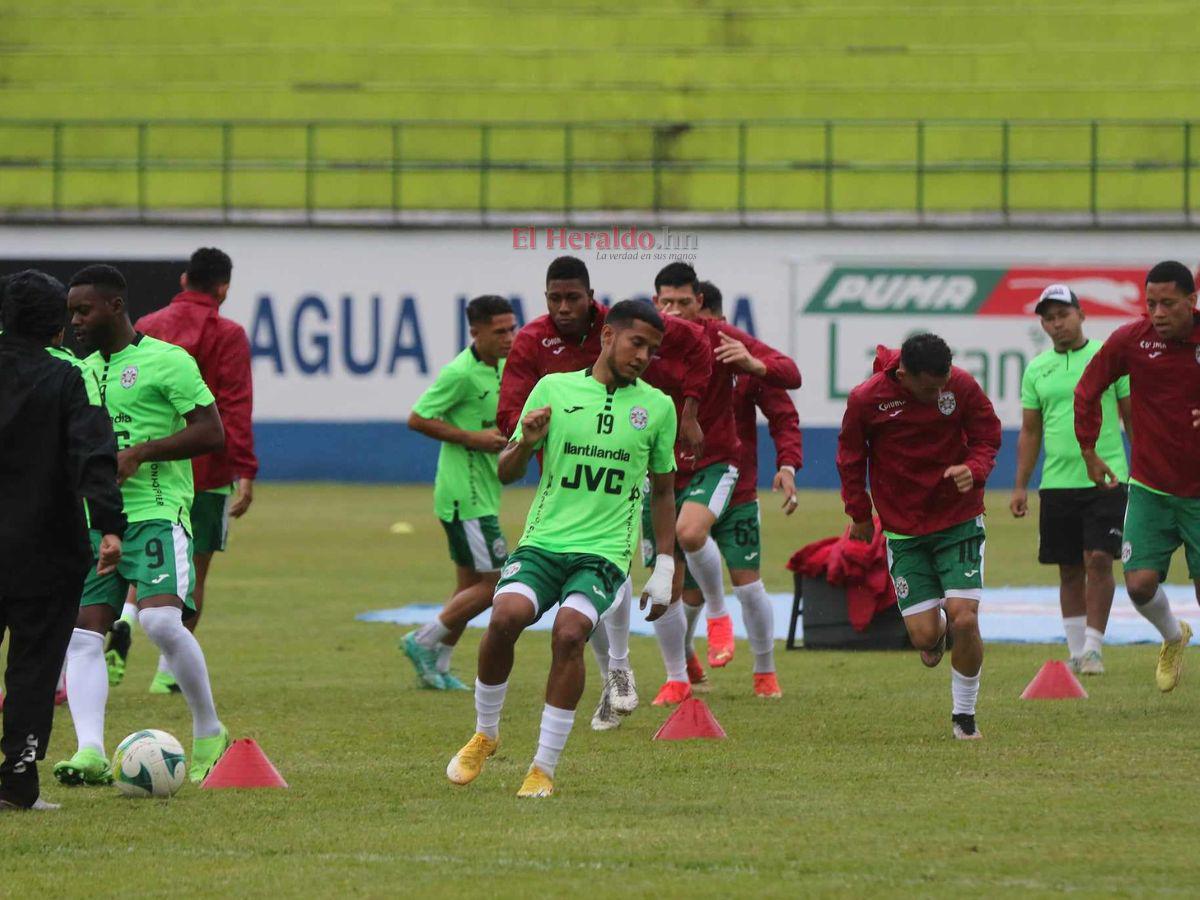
56,450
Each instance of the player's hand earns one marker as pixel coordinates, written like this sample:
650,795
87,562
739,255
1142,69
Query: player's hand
110,554
691,437
785,481
962,478
128,461
1099,471
243,498
490,440
1019,504
862,531
733,352
1196,418
658,588
534,426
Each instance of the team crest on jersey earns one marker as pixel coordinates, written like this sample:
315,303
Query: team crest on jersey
129,377
1126,551
902,587
510,570
639,418
947,403
499,548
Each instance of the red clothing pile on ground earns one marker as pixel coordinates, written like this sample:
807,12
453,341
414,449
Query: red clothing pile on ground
681,368
222,351
751,394
858,567
1165,445
909,445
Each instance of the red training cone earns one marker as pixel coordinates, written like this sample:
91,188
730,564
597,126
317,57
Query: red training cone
244,765
691,720
1054,681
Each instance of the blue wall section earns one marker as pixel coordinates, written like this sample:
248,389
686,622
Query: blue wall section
390,452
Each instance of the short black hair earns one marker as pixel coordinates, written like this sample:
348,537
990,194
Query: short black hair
1170,270
101,276
676,274
33,304
482,308
713,301
925,354
569,268
626,312
208,269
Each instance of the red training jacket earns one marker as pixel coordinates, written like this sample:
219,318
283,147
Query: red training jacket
222,351
716,416
908,445
1164,384
750,394
681,368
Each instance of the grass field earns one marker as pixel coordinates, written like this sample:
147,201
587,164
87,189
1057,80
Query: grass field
848,786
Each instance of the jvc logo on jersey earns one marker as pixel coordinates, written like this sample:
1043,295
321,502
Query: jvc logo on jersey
612,481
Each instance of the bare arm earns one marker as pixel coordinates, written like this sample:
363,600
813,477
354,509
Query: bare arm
1029,443
202,434
662,514
489,440
514,458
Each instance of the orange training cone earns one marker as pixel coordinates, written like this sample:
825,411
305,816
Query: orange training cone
244,765
1054,681
691,720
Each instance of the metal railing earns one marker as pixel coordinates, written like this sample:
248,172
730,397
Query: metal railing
825,170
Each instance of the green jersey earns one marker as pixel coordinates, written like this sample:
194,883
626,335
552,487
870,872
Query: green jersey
599,446
1049,387
147,389
464,394
89,377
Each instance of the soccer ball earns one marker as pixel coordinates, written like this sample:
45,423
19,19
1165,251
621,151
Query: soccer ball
149,763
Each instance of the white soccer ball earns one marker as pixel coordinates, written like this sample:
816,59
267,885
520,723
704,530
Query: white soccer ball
149,763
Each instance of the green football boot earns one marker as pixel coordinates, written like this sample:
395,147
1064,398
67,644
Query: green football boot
424,661
451,683
87,766
115,657
205,754
164,683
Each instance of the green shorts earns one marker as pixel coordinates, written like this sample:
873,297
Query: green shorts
736,534
947,563
477,544
156,557
581,581
210,521
711,486
1155,526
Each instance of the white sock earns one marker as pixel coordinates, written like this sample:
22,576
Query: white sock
163,665
164,626
617,623
692,614
444,651
1073,627
129,612
489,700
760,623
556,728
87,687
1093,640
1158,613
599,642
671,630
705,566
432,634
963,691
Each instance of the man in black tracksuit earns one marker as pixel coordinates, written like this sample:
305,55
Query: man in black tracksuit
57,450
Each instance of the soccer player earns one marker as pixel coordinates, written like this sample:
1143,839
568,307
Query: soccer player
1079,523
736,531
568,339
927,436
601,431
704,485
223,481
163,415
459,409
1161,355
